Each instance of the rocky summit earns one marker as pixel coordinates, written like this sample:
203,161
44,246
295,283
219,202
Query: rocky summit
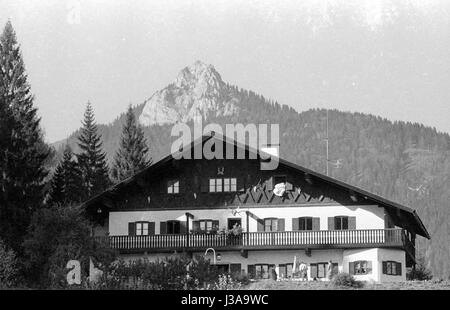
198,91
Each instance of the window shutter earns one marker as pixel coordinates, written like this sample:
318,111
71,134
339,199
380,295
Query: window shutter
251,271
260,225
352,222
215,224
183,227
295,224
316,223
131,229
195,226
240,184
280,224
163,187
331,223
181,186
399,269
384,267
289,186
369,266
163,228
151,228
351,268
205,185
269,184
313,271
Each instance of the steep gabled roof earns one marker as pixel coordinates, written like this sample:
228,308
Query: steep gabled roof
403,216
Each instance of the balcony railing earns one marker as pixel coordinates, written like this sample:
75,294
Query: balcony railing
263,240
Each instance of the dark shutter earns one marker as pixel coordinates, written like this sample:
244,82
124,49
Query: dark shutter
369,266
384,264
260,225
351,268
331,223
163,228
183,227
195,226
280,224
163,187
240,184
215,224
316,223
295,224
204,185
399,269
131,229
181,188
151,228
352,222
289,186
269,184
251,271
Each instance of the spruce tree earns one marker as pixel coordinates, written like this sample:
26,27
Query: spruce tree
92,159
23,150
132,155
66,184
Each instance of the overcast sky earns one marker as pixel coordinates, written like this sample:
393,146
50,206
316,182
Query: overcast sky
388,58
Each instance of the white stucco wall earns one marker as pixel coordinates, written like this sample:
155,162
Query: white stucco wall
363,254
392,255
367,217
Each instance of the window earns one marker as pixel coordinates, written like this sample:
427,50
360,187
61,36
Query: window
263,271
392,268
271,224
305,223
341,222
361,267
218,185
173,187
142,228
173,227
206,225
319,270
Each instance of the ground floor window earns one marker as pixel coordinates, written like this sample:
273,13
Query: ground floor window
285,271
319,270
260,271
392,268
360,267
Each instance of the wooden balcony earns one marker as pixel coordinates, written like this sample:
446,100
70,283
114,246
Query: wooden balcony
262,241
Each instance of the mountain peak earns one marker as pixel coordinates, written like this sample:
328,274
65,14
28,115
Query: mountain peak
198,90
199,74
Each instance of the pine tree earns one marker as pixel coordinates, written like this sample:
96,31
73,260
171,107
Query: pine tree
92,159
23,150
132,155
66,184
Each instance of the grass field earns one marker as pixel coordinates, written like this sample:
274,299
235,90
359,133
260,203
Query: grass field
314,285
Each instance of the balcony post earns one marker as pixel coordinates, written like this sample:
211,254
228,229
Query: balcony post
248,226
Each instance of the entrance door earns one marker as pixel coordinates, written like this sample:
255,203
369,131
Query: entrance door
234,221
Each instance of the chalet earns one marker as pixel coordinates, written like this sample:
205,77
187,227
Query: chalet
254,220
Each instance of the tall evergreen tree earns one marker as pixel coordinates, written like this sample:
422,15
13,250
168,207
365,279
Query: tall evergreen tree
132,155
23,150
92,159
66,184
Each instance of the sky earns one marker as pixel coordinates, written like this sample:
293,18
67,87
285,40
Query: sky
384,57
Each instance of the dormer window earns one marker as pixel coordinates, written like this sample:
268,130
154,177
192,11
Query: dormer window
219,185
173,187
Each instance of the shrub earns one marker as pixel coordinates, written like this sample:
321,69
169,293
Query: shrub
8,267
421,272
345,280
225,282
